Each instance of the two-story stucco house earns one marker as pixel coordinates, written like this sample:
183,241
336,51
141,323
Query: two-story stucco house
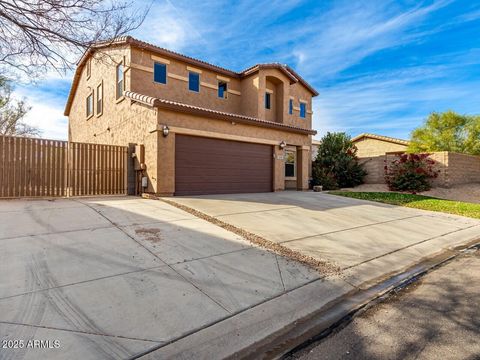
204,129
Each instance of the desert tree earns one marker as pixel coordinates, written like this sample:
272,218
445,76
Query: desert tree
12,113
37,36
447,131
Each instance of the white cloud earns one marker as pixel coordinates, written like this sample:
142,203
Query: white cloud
168,27
394,102
46,109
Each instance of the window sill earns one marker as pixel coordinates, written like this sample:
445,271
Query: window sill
89,117
290,178
98,115
120,99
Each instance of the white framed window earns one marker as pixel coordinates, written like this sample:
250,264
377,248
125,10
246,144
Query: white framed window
89,105
100,99
120,84
290,164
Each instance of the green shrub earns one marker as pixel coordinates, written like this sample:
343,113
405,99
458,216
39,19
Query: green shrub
410,172
336,165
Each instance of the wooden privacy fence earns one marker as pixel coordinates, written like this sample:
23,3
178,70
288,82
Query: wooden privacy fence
40,167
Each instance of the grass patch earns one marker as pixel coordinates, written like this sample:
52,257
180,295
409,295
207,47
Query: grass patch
417,202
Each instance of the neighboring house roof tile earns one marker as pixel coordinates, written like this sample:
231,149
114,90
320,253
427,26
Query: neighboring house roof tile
288,71
177,106
382,138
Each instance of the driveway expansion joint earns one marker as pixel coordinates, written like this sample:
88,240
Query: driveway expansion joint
322,266
352,228
409,246
80,332
156,256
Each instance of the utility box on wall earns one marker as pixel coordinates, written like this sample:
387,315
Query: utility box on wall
139,158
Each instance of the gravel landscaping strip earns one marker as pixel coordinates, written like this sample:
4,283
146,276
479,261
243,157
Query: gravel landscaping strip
324,267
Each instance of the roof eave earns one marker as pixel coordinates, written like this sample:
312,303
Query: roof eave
168,105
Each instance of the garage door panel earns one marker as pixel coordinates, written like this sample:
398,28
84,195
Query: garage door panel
215,166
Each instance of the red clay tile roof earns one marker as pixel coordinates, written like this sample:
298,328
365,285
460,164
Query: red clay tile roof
177,106
288,71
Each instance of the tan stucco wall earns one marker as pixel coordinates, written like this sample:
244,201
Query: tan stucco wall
176,89
194,125
120,123
248,97
368,147
453,168
125,122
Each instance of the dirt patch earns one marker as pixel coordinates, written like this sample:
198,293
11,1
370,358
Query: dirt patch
322,266
463,192
151,234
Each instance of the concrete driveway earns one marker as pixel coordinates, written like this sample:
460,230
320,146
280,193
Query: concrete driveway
114,277
367,240
117,277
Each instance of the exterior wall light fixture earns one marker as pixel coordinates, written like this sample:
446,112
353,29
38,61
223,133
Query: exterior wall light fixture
282,145
165,130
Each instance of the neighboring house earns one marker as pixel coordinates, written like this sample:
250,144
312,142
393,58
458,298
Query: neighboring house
370,145
372,153
205,129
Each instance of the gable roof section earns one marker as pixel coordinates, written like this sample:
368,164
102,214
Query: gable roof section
381,138
196,110
128,40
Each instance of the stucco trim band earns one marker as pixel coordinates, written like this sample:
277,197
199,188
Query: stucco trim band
190,109
216,135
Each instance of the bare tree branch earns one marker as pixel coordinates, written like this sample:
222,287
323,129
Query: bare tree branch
38,36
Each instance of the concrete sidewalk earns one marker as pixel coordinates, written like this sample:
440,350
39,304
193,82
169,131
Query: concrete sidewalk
437,317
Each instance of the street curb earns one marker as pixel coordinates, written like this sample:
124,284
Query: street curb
274,328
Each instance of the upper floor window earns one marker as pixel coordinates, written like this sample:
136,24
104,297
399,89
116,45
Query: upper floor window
268,100
120,83
100,99
194,81
290,106
89,68
89,105
303,110
160,73
222,89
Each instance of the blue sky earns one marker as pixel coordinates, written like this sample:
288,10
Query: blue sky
380,66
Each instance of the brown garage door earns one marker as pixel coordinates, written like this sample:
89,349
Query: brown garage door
213,166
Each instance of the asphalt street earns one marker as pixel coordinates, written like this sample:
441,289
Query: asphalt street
437,317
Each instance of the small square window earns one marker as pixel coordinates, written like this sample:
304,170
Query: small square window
303,110
100,99
160,73
268,100
290,107
194,81
222,89
89,105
